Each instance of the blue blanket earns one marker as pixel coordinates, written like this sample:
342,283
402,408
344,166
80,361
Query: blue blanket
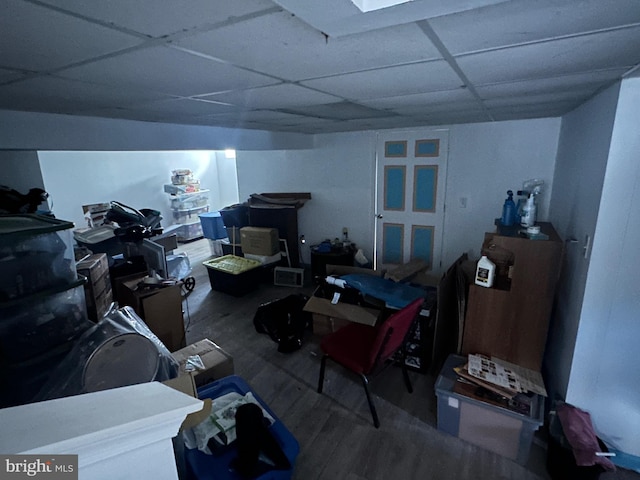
395,294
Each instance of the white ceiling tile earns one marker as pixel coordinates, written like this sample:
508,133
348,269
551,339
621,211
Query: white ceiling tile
168,71
600,51
389,82
450,118
339,111
282,45
425,110
49,93
430,98
258,116
520,21
576,96
186,106
29,42
285,95
342,17
591,81
9,75
160,18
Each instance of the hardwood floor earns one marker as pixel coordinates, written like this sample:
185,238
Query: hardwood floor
335,431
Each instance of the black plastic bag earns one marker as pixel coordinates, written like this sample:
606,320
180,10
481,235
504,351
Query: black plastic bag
284,321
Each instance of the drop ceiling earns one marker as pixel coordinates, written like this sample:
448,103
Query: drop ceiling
313,67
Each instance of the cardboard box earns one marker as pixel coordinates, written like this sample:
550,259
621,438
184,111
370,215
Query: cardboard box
93,267
259,240
323,325
160,308
217,362
329,317
187,385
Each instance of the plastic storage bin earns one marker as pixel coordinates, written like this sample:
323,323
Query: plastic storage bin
200,466
233,275
491,427
190,200
36,253
213,226
35,324
235,215
189,215
188,231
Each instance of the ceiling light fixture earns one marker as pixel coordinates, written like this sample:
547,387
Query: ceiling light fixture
370,5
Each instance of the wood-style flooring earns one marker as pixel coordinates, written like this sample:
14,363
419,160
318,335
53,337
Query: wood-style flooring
334,429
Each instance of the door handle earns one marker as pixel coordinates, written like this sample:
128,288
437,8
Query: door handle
378,215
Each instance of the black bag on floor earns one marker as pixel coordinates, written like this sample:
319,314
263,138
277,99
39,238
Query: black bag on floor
284,321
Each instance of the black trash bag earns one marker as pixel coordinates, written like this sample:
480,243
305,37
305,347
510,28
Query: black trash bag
284,321
252,439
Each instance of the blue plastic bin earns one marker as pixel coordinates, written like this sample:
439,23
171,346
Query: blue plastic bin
201,466
213,226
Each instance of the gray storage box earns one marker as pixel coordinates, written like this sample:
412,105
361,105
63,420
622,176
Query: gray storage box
494,428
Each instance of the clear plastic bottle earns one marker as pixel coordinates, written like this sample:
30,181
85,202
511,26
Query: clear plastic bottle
529,211
485,272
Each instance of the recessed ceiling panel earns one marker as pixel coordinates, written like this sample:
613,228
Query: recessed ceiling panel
426,110
168,71
607,50
159,18
430,98
390,82
285,95
39,39
284,46
521,21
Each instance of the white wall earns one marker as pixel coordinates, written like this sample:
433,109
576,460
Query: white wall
339,174
485,160
580,167
136,179
605,373
43,131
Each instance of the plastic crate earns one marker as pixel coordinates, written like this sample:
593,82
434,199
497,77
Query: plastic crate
494,428
188,231
35,324
200,466
233,275
189,215
190,200
36,253
213,226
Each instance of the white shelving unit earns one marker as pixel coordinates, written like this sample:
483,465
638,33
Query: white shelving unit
186,208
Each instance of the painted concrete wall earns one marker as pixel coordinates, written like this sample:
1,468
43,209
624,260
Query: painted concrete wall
136,179
605,373
339,174
485,160
583,151
41,131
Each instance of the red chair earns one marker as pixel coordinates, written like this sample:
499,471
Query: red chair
364,350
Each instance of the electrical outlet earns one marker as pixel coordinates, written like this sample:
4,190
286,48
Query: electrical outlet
345,231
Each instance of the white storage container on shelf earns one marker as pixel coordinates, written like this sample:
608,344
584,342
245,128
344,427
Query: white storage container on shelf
190,200
189,231
189,215
36,253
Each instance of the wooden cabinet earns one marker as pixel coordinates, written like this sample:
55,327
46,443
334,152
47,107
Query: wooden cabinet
511,320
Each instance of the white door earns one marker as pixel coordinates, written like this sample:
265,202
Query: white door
410,189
